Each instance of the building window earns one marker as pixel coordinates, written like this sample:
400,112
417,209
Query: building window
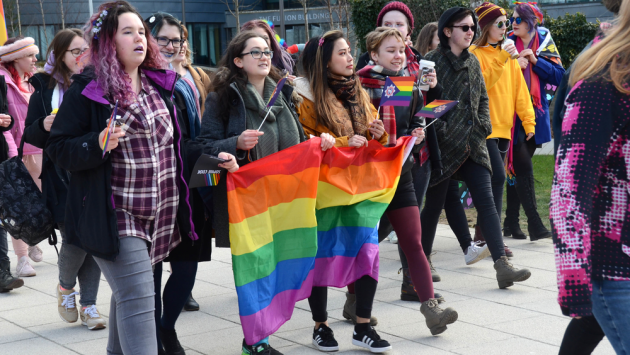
42,40
204,40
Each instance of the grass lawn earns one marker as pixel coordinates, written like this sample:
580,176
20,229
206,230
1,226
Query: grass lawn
543,174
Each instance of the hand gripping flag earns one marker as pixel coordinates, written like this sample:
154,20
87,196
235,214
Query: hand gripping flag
110,129
301,218
397,91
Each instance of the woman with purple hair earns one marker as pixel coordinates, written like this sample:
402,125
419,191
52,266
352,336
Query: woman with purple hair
281,58
542,68
128,201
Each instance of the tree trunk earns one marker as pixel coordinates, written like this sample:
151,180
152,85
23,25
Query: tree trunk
238,20
17,4
304,6
330,14
41,7
340,17
63,17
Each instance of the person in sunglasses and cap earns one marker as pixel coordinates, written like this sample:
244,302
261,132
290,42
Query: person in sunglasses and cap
462,134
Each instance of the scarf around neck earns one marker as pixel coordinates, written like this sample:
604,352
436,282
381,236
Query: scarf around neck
373,80
186,89
344,89
48,68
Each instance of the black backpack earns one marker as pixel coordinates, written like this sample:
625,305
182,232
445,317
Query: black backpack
23,210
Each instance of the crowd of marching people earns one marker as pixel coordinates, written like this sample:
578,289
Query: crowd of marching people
135,116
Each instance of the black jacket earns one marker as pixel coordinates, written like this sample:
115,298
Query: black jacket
220,134
4,147
73,145
54,179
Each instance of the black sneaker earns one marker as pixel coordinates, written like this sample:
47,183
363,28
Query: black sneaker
262,349
324,339
370,340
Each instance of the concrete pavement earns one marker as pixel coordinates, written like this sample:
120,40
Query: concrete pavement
524,319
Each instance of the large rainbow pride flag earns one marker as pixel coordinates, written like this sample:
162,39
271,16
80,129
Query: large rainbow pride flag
302,218
4,35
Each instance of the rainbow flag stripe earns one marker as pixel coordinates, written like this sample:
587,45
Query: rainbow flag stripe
212,179
302,218
397,91
4,34
437,108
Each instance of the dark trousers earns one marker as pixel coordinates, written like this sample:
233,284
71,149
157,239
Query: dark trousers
581,337
170,303
478,179
4,245
365,289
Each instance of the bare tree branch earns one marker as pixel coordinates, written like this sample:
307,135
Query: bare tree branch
63,16
305,4
330,13
235,7
41,7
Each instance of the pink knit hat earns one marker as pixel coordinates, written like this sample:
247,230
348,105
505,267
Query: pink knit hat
18,49
395,6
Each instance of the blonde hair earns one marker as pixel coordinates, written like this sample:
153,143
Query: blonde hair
425,37
485,34
374,39
188,60
612,52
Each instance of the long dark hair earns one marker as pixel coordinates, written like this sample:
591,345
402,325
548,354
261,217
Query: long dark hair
425,38
229,73
315,60
159,20
58,47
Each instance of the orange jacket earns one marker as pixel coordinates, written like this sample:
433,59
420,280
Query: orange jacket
307,117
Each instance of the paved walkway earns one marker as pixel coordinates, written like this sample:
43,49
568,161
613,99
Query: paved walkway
524,319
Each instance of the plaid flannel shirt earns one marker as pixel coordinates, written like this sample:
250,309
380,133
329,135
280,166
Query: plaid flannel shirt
144,174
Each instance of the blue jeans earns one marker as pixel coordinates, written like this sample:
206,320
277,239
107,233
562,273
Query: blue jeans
611,307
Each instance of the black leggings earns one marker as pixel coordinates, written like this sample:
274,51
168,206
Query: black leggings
497,149
365,289
478,179
581,337
176,291
522,155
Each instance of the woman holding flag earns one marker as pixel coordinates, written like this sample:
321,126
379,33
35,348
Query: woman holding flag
128,199
387,50
249,116
334,104
542,68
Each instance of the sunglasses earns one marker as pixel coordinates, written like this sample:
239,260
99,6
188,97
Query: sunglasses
466,28
517,20
505,23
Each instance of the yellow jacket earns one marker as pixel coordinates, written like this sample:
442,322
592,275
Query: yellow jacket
507,91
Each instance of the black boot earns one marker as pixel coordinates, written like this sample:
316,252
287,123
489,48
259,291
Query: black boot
170,342
511,227
527,194
408,292
191,304
7,281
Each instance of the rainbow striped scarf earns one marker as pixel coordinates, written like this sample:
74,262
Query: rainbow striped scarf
302,218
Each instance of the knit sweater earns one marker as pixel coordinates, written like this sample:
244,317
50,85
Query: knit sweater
463,130
507,91
590,204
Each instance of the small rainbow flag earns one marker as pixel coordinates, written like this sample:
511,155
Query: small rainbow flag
302,218
276,91
110,129
212,179
397,91
436,108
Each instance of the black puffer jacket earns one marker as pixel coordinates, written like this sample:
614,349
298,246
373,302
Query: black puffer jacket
73,145
54,179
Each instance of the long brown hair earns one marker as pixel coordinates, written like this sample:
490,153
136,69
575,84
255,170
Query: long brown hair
425,37
485,33
59,46
229,73
611,54
315,60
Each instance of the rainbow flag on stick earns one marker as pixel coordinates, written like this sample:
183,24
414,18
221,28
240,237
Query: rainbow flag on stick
302,218
436,108
110,129
397,91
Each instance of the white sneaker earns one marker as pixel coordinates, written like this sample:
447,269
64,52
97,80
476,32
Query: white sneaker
36,254
24,268
393,237
476,251
92,319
